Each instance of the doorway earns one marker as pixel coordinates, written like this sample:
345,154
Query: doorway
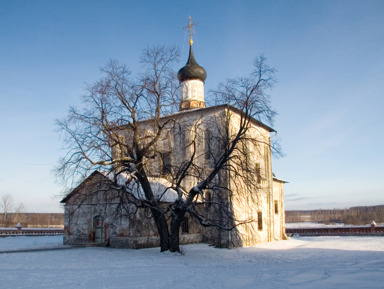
98,224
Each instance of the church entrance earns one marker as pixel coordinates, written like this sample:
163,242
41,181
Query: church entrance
98,224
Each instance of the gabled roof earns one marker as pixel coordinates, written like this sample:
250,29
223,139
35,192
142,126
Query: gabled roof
161,187
83,184
255,121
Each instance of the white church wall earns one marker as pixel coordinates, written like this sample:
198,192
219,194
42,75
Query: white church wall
252,203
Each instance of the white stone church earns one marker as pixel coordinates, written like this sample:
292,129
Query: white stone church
255,211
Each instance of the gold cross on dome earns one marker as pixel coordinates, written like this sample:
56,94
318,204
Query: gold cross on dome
190,28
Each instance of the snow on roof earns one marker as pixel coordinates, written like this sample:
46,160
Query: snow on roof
161,187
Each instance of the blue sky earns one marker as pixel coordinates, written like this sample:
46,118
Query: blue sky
329,96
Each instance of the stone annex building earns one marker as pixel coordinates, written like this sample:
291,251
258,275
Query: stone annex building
90,209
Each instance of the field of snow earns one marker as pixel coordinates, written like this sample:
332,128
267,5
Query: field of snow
318,262
35,242
313,225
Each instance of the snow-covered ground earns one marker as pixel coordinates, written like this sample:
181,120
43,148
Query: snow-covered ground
321,225
312,225
318,262
34,242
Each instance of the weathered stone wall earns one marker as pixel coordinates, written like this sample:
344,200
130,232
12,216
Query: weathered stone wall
130,227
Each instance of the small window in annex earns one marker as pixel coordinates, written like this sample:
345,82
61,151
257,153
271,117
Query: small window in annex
185,226
260,220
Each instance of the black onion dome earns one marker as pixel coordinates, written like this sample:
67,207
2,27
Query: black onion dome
191,70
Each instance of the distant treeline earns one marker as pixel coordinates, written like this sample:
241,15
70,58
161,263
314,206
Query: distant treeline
352,216
32,220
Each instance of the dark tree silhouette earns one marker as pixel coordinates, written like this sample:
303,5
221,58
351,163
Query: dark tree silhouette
125,120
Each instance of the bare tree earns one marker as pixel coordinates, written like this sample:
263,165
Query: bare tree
6,204
125,120
19,210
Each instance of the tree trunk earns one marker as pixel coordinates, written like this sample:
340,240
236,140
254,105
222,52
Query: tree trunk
174,240
162,229
158,216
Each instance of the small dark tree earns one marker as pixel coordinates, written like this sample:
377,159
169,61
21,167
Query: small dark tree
120,102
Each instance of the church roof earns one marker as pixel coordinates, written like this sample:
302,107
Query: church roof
81,185
161,188
279,180
192,70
